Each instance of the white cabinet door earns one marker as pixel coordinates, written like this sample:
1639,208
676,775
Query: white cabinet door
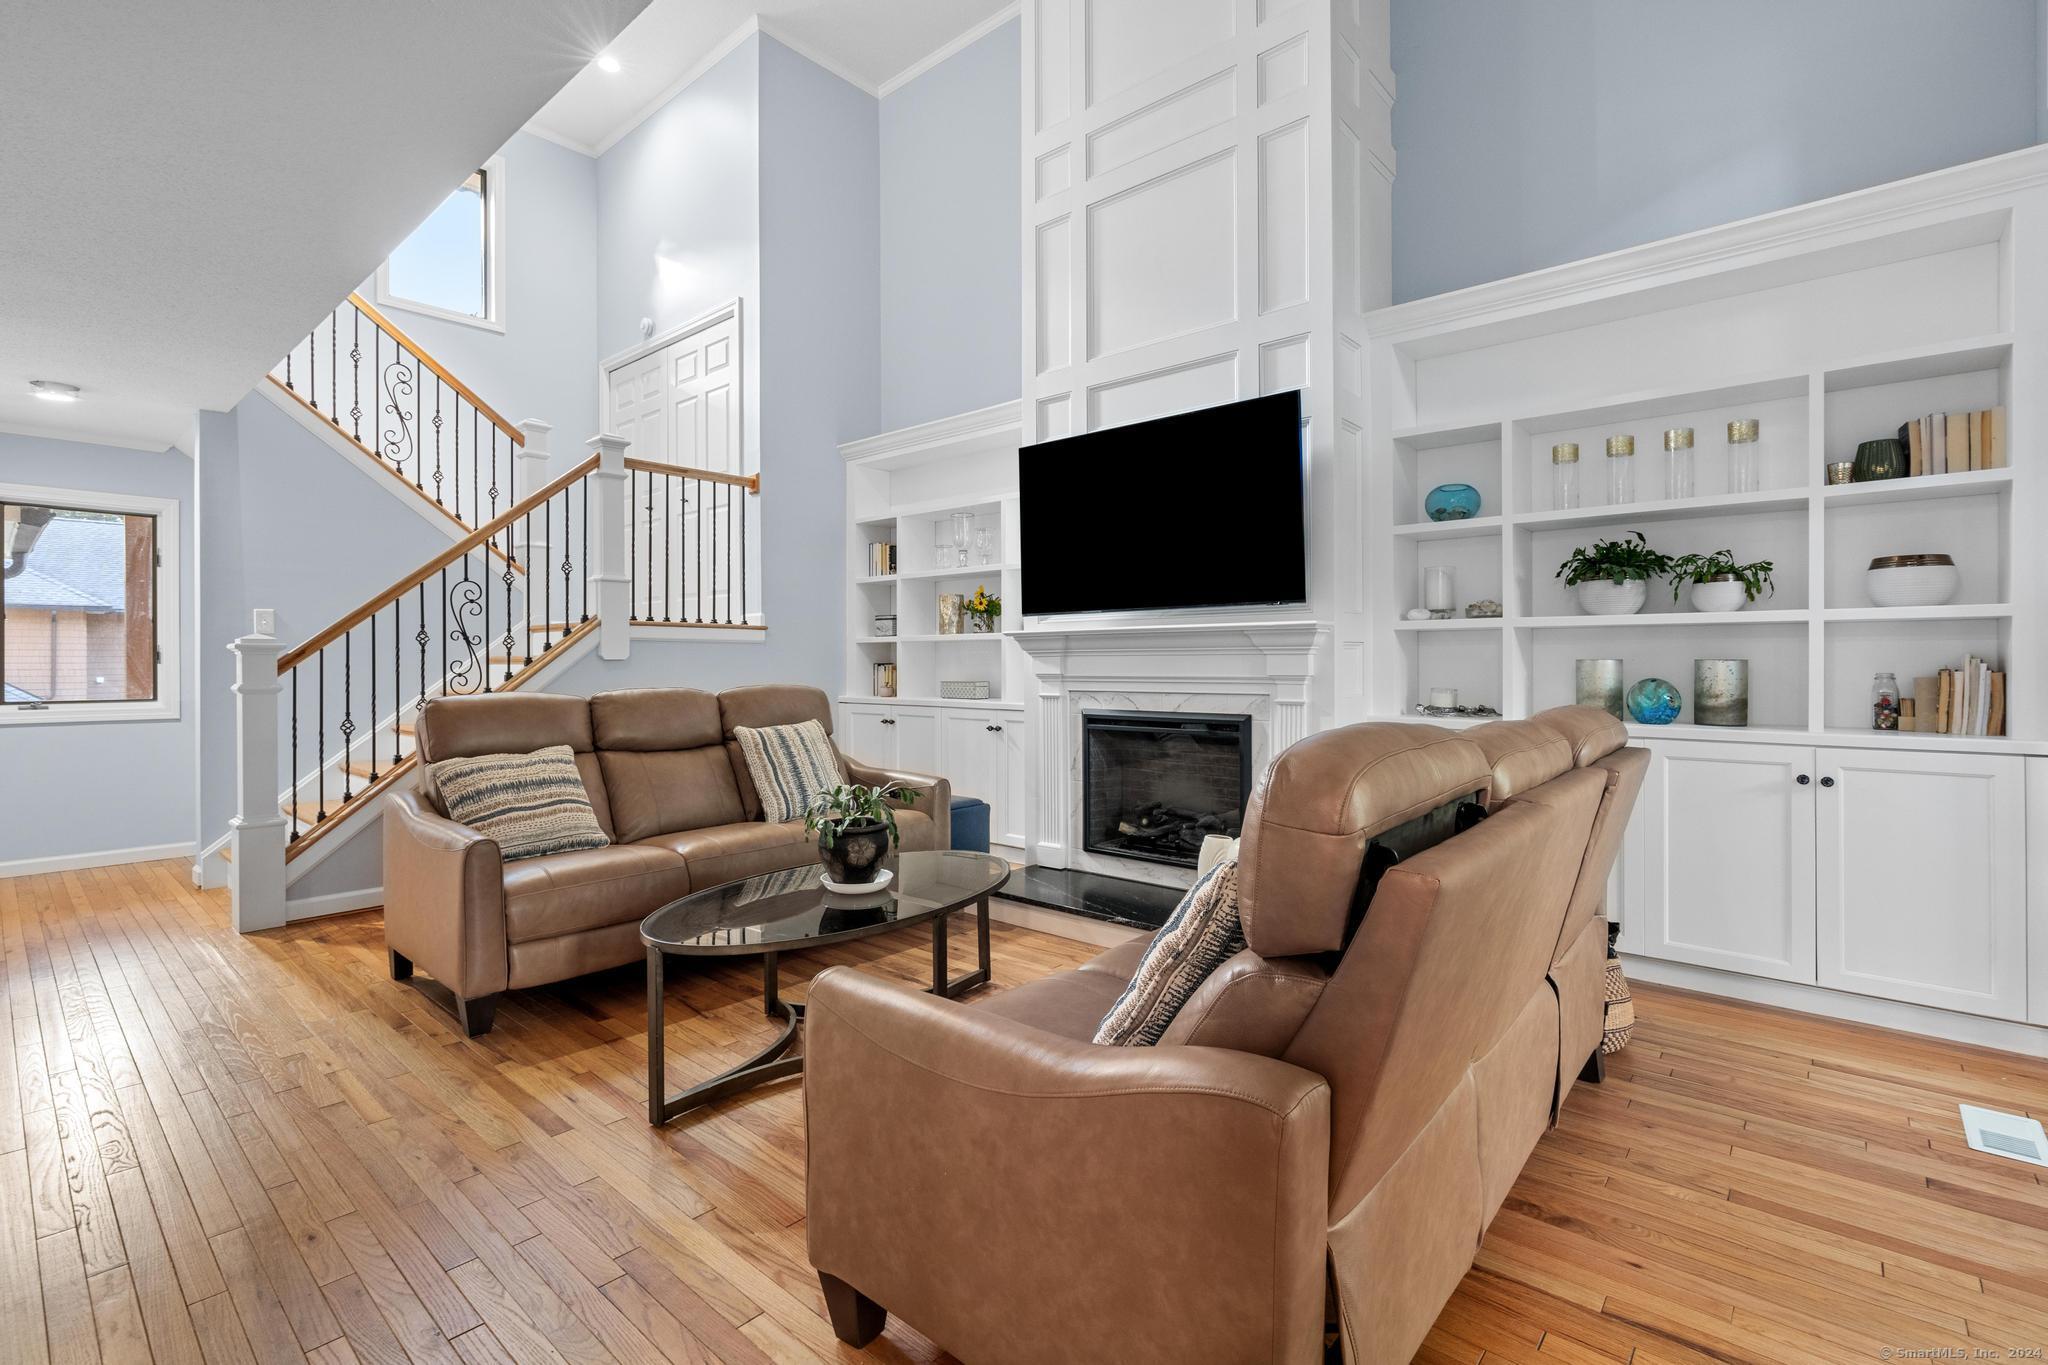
867,734
917,739
1922,878
1006,819
1728,858
970,764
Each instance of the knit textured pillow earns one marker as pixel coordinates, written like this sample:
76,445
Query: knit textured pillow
1201,935
789,765
532,804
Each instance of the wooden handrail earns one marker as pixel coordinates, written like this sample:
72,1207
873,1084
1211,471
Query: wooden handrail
480,536
391,329
750,482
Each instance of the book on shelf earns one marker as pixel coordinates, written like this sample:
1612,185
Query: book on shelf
885,680
1955,442
1967,700
881,558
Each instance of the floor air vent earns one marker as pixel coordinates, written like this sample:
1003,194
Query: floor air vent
2006,1135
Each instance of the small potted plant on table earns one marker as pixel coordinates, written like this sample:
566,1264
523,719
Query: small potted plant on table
855,826
1718,582
1612,577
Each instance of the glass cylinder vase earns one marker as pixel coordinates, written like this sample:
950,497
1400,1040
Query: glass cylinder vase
1621,470
1678,464
1745,456
1564,476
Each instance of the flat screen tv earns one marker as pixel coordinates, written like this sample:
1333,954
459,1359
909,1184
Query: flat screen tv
1201,509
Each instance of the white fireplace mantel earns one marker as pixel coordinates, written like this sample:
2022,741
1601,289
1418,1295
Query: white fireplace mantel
1265,667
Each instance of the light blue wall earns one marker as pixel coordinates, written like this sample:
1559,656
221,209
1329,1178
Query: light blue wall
90,787
1528,135
544,364
952,276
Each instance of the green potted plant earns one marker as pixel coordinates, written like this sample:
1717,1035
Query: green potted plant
982,611
854,825
1718,582
1612,577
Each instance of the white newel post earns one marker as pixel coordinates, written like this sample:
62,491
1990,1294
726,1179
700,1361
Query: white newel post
529,475
257,833
613,575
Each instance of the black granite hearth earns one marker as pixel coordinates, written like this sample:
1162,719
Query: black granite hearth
1114,900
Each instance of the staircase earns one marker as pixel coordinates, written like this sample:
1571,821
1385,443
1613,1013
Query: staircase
326,727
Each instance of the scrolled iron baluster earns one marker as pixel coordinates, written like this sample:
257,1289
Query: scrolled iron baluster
398,445
466,673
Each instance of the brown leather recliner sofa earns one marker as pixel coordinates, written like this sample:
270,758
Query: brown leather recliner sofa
669,786
1330,1122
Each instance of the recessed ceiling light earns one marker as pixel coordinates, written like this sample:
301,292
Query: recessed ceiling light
52,391
608,63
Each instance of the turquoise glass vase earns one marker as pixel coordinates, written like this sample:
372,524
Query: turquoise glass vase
1451,502
1653,702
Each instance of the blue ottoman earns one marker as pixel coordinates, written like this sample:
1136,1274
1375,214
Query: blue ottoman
970,824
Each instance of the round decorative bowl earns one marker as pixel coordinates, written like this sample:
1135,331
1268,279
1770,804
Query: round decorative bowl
1911,580
856,855
1605,597
1719,594
1653,702
1451,502
1884,458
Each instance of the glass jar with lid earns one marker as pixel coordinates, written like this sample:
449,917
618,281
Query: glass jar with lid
1884,702
1745,456
1564,475
1678,467
1621,470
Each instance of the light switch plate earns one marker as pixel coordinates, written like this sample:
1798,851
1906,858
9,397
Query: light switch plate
2013,1136
266,620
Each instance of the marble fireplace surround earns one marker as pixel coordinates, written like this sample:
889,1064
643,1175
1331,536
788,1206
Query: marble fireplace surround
1263,669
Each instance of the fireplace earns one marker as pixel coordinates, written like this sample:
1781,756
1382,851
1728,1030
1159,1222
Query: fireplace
1155,783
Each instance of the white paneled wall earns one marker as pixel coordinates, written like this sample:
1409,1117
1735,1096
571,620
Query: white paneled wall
1207,191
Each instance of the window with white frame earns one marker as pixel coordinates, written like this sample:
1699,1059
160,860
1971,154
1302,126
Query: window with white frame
450,267
88,612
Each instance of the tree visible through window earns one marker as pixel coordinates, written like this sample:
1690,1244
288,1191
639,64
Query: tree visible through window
77,605
446,264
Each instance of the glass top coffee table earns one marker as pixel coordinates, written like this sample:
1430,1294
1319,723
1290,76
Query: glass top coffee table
780,912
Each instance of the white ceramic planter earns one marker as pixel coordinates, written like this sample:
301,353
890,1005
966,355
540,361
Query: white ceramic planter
1604,597
1914,585
1723,595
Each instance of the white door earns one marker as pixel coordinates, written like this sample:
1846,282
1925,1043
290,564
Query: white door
704,398
1728,858
639,402
917,739
1922,878
867,735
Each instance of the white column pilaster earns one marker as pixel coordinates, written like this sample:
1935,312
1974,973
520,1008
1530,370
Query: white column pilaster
257,833
611,574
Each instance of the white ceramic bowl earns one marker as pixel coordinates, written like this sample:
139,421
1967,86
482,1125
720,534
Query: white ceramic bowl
1605,597
1726,594
1911,580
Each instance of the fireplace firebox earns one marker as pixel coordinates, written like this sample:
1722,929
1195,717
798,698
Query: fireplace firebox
1154,784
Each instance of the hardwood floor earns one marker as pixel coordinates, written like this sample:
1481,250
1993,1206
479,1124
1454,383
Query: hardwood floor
227,1149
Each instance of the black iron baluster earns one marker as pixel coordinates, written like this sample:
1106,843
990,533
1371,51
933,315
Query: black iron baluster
444,638
437,439
509,576
334,367
355,365
744,505
566,562
457,463
586,550
288,370
373,696
632,537
319,745
398,667
419,396
526,534
732,492
494,464
313,366
348,716
294,769
668,522
700,541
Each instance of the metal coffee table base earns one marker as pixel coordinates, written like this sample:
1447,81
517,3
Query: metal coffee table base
769,1064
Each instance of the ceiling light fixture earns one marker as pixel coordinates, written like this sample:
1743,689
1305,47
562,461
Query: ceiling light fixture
52,391
608,63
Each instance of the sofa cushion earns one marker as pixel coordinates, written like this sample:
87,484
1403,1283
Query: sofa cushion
1524,754
1250,1004
1070,1004
568,893
670,790
508,723
767,705
529,804
651,719
726,853
1592,732
790,766
1201,934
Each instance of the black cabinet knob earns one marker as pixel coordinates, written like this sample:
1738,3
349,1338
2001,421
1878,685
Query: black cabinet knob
1804,779
1827,781
997,728
890,720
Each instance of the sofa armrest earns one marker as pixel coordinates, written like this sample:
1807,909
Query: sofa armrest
1010,1192
934,795
444,897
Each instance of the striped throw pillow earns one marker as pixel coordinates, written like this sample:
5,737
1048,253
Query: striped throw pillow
789,765
532,804
1201,935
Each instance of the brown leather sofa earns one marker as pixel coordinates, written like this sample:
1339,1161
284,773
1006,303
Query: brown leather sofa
1327,1127
670,788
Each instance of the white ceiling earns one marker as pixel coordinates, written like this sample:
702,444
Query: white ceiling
875,44
185,187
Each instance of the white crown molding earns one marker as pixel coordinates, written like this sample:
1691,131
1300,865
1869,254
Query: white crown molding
949,49
1718,249
997,422
725,48
819,59
549,135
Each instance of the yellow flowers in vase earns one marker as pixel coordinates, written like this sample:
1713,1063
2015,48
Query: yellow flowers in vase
981,611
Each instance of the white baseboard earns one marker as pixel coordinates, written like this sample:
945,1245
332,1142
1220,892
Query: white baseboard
2006,1035
338,903
112,857
1059,923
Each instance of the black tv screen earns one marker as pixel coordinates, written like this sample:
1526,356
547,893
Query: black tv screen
1201,509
